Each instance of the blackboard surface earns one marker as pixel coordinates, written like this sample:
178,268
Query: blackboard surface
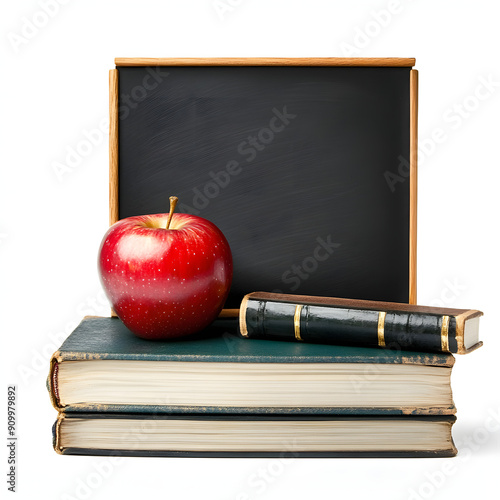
288,162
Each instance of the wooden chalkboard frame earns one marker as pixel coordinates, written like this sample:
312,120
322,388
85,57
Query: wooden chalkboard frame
345,62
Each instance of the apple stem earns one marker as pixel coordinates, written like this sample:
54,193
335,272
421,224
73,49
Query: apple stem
173,202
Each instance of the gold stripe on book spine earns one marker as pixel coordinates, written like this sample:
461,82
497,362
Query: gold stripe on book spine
296,322
445,347
380,329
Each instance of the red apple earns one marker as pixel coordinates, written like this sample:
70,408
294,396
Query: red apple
166,275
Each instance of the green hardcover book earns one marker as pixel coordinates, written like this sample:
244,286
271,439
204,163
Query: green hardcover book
253,435
103,367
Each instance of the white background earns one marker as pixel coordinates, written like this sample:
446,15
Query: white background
54,88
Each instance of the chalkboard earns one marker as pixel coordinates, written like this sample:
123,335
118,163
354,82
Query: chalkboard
291,162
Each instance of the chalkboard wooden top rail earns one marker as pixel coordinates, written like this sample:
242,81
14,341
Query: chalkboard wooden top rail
268,61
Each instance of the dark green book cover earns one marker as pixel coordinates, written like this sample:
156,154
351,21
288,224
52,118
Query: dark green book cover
109,339
261,436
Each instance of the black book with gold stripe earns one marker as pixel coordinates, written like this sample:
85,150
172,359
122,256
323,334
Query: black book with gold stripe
336,321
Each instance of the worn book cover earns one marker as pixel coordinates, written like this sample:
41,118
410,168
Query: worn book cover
339,321
253,436
102,366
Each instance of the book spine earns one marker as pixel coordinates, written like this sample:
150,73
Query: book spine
52,380
400,330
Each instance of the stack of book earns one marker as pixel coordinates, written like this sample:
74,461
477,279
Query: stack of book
293,376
